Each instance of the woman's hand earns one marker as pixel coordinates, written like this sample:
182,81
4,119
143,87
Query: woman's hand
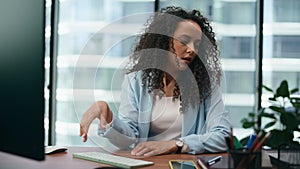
152,148
100,110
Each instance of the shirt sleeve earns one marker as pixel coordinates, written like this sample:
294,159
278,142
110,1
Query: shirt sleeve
216,127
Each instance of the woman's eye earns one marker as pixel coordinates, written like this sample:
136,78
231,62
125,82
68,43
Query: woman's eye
184,42
197,44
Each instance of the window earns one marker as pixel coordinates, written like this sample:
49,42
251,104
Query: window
234,12
281,36
284,11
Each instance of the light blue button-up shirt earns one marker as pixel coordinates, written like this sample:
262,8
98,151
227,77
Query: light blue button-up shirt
204,127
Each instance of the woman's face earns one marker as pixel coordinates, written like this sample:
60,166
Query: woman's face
186,41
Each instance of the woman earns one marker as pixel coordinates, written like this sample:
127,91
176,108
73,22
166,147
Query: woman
170,101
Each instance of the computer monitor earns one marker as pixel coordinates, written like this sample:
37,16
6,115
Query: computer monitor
22,51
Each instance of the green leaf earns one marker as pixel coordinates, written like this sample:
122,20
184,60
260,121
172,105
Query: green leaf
272,98
295,98
248,124
289,120
244,120
296,104
237,143
279,137
267,88
269,115
294,90
283,90
260,112
277,109
244,140
269,124
251,114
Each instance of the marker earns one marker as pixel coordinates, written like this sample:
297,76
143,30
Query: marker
214,160
250,141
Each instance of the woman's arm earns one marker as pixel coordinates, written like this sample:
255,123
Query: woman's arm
123,131
100,110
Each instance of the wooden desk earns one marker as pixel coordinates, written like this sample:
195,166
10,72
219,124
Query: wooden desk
66,160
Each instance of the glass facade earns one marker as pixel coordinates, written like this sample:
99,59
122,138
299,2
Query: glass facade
96,35
281,43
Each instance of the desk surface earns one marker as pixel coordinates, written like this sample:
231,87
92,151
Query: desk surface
66,160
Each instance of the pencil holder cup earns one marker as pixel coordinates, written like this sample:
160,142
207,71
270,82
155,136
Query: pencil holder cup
243,159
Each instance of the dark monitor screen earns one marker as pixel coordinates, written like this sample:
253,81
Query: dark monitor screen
22,51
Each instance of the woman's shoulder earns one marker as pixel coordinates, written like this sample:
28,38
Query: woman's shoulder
134,80
134,77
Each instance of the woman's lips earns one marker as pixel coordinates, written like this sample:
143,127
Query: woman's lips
186,60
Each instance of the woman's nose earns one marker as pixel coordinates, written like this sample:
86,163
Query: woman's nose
191,48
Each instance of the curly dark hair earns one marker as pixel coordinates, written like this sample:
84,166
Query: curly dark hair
158,37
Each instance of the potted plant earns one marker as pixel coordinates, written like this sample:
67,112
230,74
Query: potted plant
284,109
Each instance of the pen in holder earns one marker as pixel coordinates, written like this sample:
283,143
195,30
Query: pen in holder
246,158
243,159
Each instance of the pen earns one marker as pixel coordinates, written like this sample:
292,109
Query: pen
214,160
254,149
258,137
251,140
231,139
227,139
202,165
262,142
